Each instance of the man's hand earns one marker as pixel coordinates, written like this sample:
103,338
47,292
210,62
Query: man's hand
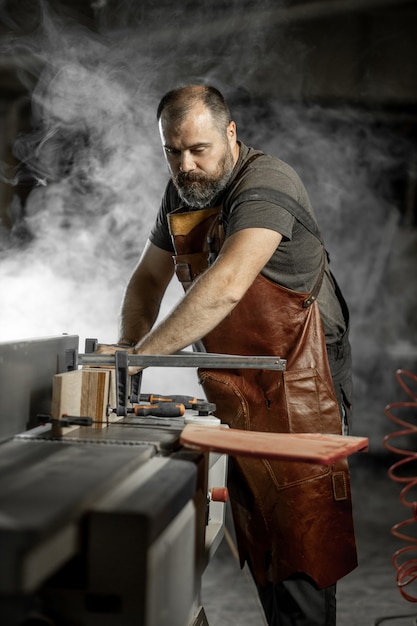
112,348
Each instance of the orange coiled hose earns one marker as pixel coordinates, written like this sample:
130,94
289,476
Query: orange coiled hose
405,565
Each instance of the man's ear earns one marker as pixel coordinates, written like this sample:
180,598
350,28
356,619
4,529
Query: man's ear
231,130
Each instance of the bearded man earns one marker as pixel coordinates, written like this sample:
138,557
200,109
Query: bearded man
250,256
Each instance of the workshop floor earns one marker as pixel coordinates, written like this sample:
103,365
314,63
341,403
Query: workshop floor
366,597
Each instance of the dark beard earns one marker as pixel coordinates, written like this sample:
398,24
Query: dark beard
199,190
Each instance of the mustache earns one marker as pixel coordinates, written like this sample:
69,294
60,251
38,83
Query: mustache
184,178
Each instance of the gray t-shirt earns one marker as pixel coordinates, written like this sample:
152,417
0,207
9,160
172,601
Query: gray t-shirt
296,263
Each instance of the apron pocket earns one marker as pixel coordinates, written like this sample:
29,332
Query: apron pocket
311,405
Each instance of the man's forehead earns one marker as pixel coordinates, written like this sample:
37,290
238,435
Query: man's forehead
198,118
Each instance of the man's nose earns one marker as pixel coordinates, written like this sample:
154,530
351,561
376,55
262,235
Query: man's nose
187,163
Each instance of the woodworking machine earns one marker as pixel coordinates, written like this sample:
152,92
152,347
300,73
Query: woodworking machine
105,518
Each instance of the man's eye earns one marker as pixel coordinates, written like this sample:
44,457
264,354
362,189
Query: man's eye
171,151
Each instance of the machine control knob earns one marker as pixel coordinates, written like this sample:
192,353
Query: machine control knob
218,494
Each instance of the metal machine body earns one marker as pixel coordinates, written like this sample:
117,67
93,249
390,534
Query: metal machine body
99,526
26,372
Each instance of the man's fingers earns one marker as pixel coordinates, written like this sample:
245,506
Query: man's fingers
107,348
112,348
135,370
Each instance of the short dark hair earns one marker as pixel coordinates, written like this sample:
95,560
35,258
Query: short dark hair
177,103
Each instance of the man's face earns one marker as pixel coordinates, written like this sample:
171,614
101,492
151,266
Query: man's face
200,157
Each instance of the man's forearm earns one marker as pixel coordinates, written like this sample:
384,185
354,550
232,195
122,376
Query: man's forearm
140,308
201,309
213,295
136,320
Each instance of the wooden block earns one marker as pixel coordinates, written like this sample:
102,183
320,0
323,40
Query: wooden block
81,393
95,395
66,398
112,395
109,392
66,394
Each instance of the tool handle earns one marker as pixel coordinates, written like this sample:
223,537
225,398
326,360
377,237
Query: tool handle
163,409
188,401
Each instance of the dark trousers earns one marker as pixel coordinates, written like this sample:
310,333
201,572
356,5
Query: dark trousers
297,601
340,362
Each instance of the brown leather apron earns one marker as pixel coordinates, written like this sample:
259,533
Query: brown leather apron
289,517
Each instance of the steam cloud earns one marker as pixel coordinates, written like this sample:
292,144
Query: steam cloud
93,153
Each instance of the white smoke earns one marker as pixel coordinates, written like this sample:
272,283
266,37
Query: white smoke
100,173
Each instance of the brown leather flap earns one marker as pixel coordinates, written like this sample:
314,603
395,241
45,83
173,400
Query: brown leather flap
189,266
184,223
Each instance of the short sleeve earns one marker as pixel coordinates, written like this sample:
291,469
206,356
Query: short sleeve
159,234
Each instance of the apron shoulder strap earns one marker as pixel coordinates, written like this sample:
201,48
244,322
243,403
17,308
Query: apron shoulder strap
283,199
300,214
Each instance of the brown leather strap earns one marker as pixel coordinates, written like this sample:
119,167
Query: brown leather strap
246,165
315,291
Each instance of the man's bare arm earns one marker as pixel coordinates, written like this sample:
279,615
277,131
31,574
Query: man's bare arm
144,293
214,294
